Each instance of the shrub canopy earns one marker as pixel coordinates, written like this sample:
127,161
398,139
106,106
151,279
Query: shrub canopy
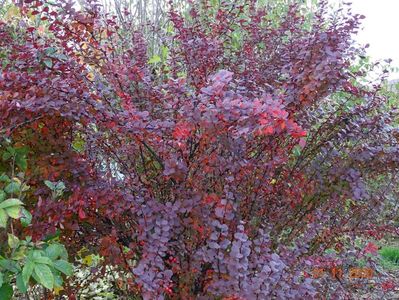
220,162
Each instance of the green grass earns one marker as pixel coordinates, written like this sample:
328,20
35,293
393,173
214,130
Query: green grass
390,257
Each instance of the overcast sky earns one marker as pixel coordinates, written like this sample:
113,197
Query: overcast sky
380,28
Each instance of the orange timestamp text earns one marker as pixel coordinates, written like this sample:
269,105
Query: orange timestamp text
338,272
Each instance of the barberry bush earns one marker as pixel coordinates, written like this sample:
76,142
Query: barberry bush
220,163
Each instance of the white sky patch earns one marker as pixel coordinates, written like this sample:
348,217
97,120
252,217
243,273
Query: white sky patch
380,28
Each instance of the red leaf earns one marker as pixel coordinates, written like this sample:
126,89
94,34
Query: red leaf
298,134
388,285
268,130
182,131
371,248
82,214
211,199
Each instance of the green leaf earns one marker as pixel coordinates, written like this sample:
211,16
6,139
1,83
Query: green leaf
35,277
34,254
13,241
61,56
20,253
60,186
4,178
55,251
27,270
48,63
22,151
2,195
78,145
50,185
25,187
6,292
58,281
236,40
14,211
21,285
164,52
50,50
1,279
214,3
155,59
170,28
26,218
10,265
297,150
3,218
11,150
7,155
11,202
64,266
13,187
43,260
44,275
21,162
20,158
